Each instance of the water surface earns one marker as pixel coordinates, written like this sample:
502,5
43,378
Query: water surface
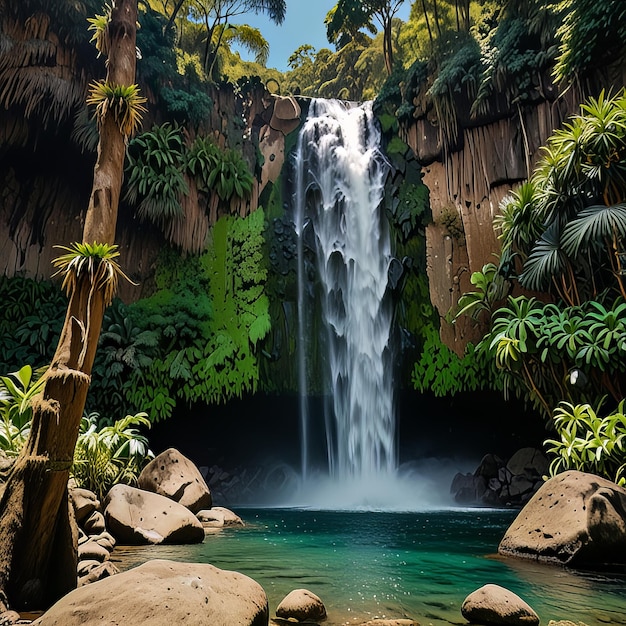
367,564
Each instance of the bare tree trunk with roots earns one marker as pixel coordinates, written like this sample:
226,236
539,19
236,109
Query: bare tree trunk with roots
38,536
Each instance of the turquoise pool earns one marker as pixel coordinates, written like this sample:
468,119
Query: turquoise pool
368,564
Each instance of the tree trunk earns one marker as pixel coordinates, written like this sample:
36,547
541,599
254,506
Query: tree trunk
38,538
388,46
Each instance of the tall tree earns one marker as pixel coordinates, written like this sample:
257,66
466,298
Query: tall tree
38,551
216,15
348,17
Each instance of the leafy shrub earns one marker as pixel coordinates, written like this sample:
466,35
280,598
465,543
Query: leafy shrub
588,442
210,313
155,182
443,372
17,391
124,347
112,454
231,176
31,317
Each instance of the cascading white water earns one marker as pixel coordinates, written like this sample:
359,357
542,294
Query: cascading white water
340,174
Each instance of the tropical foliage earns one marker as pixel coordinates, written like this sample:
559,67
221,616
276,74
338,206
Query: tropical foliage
562,235
588,442
30,321
484,56
17,391
94,262
196,339
156,181
346,19
161,166
207,29
441,371
111,454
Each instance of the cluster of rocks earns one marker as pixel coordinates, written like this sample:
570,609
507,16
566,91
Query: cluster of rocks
500,483
574,518
95,543
173,504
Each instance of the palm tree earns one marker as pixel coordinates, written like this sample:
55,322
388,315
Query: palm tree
348,17
39,556
215,16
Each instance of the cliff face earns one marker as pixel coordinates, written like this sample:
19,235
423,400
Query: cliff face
468,181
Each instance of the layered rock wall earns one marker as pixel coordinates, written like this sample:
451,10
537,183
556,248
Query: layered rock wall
467,184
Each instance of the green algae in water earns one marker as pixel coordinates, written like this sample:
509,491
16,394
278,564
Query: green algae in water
367,564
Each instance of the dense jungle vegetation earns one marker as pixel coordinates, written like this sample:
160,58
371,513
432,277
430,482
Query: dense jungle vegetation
215,326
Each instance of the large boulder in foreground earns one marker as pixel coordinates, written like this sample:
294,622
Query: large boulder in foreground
575,518
492,604
136,517
174,476
164,593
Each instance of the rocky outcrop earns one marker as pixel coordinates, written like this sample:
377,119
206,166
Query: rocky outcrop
496,482
173,475
574,518
301,605
95,544
218,517
163,593
492,604
469,174
134,516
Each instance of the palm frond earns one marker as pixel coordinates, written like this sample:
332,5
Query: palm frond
594,227
546,261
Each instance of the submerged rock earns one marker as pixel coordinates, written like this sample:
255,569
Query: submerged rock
301,605
492,604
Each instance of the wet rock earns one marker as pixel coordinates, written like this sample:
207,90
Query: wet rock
492,604
301,605
218,516
574,518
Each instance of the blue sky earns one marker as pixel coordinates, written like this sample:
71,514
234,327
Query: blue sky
304,24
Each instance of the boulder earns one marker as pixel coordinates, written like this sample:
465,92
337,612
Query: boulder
96,572
163,593
286,114
218,516
574,518
468,488
105,539
136,517
174,476
301,605
90,550
85,502
492,604
529,462
94,524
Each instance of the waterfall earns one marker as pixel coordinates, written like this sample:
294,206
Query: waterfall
339,179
